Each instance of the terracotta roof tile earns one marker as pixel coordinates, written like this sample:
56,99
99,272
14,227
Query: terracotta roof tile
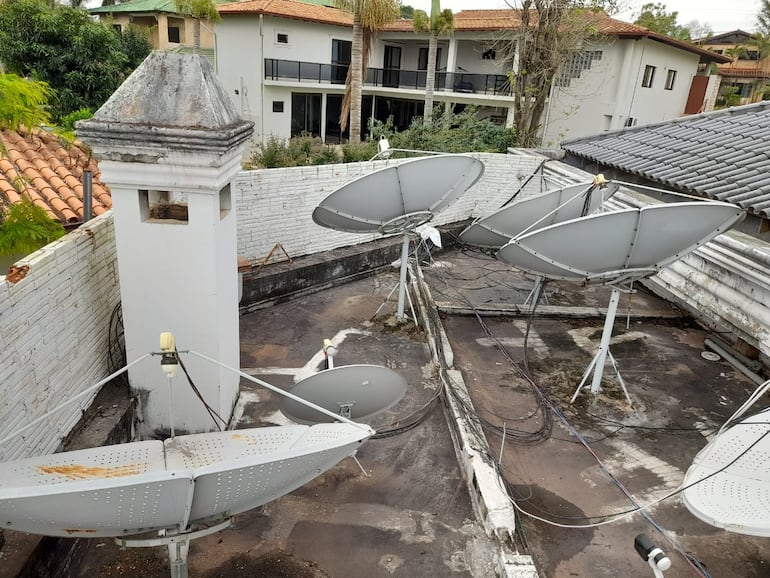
49,171
495,20
290,9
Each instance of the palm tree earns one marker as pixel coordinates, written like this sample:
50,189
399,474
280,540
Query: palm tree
439,22
199,10
369,16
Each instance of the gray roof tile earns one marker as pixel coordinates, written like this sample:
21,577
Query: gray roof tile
723,154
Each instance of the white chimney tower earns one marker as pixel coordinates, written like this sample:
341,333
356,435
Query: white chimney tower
169,143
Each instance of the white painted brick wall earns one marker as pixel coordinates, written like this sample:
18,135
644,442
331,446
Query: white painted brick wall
275,205
53,334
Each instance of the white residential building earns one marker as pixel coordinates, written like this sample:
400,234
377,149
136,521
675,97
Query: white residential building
284,64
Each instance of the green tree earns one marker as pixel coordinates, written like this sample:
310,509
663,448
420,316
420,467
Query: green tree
369,16
655,17
763,17
82,61
23,103
199,10
439,22
407,12
26,228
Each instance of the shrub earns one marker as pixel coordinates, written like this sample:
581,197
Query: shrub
26,228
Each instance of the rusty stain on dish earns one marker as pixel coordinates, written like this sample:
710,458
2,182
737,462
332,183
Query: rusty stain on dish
78,472
79,531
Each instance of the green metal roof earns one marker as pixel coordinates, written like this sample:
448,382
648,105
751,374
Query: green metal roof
138,6
329,3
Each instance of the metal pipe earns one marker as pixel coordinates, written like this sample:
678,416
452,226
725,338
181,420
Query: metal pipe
88,196
735,362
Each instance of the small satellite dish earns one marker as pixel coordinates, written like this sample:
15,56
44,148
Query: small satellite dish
729,479
400,197
544,209
622,245
353,391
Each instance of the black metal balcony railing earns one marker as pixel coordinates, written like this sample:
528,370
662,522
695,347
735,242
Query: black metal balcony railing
495,84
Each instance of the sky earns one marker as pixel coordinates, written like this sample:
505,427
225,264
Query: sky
721,15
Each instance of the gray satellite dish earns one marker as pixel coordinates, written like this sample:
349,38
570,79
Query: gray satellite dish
398,199
728,484
541,210
620,246
617,248
352,391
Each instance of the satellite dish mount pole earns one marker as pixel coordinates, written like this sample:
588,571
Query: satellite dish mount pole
402,279
597,363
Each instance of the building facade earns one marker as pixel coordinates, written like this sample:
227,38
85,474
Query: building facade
284,64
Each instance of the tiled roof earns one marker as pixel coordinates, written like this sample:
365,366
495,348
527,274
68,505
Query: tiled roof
290,9
49,171
750,71
724,155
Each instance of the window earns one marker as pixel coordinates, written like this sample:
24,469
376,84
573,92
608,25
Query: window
649,76
281,38
305,114
630,121
117,27
670,79
277,106
341,55
489,54
422,58
173,34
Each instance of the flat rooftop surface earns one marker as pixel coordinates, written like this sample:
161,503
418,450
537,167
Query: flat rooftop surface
678,400
411,514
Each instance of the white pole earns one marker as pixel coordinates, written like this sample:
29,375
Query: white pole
604,347
402,282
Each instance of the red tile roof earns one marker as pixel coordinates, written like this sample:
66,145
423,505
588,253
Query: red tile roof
49,171
289,9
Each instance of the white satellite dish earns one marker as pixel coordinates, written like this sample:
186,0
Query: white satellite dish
728,483
398,199
353,391
133,488
617,248
541,210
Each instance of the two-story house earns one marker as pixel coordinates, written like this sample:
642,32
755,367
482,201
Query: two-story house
746,77
168,28
284,64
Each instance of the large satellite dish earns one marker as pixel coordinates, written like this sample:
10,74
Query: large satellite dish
398,199
133,488
541,210
618,248
353,391
729,480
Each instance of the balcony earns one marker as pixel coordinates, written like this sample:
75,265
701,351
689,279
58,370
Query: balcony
464,82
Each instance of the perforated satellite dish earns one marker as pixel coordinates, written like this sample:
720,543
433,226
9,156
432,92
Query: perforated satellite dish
735,469
134,488
622,245
353,391
400,197
496,229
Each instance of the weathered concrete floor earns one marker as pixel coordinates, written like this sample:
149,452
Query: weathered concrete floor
410,517
677,398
